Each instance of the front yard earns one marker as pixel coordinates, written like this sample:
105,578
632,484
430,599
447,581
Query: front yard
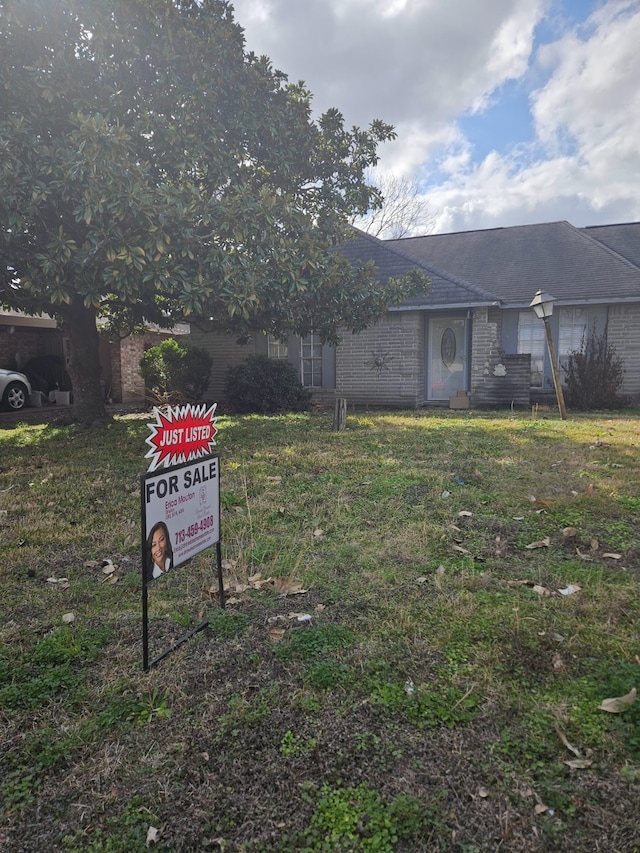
425,614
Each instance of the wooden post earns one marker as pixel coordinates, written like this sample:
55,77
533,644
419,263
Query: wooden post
340,416
556,373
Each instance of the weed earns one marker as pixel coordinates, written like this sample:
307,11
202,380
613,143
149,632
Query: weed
309,643
151,706
328,674
52,668
358,819
295,746
227,624
243,713
428,706
18,789
124,830
347,819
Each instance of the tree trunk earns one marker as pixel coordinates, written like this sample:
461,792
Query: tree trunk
79,323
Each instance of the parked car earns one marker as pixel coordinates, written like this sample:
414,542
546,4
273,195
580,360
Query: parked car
15,389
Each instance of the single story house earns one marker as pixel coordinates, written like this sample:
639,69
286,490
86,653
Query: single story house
472,339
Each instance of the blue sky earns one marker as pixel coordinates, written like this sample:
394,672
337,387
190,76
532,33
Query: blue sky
507,111
508,122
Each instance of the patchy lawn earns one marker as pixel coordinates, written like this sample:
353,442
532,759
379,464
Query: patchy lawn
469,591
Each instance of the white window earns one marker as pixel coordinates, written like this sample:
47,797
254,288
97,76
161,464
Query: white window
311,356
573,332
277,349
531,339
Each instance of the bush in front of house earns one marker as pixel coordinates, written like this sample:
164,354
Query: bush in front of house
175,373
594,375
263,386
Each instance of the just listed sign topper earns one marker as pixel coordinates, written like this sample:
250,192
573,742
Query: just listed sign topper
181,434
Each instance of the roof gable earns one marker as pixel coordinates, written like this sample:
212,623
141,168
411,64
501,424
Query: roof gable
447,290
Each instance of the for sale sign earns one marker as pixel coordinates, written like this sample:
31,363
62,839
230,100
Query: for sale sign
180,435
180,502
180,514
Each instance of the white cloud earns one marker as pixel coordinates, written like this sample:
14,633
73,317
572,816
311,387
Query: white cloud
585,164
395,59
424,64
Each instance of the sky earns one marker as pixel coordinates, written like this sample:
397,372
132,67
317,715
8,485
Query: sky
508,112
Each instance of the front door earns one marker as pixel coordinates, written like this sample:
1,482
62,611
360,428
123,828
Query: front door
446,357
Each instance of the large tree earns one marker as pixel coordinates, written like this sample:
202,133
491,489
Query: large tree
153,170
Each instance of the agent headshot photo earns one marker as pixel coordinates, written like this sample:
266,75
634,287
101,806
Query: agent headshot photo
159,553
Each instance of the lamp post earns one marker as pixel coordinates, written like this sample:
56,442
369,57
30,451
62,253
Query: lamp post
542,304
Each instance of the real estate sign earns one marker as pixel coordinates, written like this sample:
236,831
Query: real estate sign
180,500
185,501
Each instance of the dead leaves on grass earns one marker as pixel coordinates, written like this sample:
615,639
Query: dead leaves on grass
287,586
619,704
278,625
107,567
283,587
541,543
276,633
545,591
61,583
587,551
580,762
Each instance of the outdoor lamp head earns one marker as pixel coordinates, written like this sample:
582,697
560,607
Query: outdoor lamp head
542,304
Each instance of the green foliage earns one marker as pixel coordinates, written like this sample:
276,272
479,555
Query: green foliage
152,705
357,819
328,674
295,746
175,373
112,203
594,375
309,643
52,668
265,386
429,707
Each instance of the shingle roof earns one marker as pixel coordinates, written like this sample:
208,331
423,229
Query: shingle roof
447,290
513,263
623,239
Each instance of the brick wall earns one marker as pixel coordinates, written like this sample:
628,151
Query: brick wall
497,379
623,332
508,383
17,347
127,385
384,365
485,349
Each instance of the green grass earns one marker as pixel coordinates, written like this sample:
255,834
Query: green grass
423,703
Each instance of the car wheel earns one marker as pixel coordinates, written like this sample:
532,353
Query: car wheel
15,396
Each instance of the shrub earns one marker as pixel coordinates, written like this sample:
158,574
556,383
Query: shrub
264,386
594,375
175,373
